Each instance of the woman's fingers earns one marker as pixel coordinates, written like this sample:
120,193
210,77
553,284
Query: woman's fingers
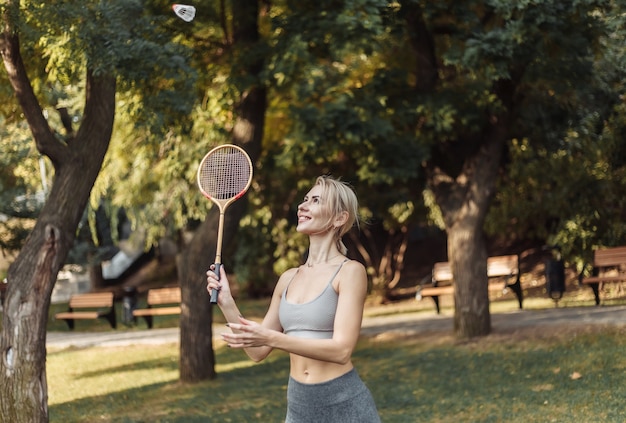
212,280
245,336
236,341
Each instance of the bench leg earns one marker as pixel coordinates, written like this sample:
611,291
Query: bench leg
517,288
148,320
436,300
70,323
596,291
111,317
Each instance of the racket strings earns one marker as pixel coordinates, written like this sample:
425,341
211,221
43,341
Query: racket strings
224,174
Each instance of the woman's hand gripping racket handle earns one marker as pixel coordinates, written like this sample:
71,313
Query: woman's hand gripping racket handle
216,292
218,255
224,175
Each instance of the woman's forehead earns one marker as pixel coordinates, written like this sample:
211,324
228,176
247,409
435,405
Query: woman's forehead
316,191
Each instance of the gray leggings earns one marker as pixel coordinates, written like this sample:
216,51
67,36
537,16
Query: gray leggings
345,399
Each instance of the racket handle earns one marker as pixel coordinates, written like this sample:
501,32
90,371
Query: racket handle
215,292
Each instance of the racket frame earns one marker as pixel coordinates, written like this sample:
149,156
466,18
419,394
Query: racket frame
222,204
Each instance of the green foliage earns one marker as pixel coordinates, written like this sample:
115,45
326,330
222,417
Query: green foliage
21,184
20,177
565,179
253,259
156,85
343,122
572,197
113,37
266,247
346,96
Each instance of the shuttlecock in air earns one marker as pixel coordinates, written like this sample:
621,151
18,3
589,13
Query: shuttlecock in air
185,12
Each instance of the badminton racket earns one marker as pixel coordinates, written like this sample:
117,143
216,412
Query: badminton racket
224,176
185,12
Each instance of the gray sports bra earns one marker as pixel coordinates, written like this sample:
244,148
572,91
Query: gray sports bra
314,319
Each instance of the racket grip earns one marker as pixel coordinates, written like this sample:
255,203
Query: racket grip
215,292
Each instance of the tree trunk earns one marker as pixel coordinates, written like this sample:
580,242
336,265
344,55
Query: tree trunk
464,201
23,388
31,278
96,279
197,359
467,254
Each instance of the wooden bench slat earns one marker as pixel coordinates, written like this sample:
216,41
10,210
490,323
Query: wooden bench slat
442,272
496,266
437,290
597,279
100,299
502,266
164,296
90,304
606,257
78,315
156,311
449,289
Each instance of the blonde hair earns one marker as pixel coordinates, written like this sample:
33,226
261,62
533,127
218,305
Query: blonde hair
339,197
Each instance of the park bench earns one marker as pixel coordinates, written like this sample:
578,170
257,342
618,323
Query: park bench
609,266
95,305
500,271
160,302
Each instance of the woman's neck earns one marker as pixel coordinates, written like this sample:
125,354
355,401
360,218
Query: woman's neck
312,261
321,254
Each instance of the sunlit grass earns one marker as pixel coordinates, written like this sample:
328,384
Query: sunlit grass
559,376
111,370
140,384
106,371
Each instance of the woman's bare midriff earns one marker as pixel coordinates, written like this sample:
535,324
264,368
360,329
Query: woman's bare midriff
307,370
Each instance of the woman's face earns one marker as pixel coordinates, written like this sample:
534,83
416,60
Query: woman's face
312,214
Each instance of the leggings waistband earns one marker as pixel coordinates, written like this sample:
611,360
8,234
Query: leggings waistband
333,391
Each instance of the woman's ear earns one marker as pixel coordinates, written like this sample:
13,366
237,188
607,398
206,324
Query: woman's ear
341,219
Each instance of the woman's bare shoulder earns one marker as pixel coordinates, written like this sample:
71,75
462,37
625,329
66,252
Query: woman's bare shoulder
288,274
354,266
285,278
353,270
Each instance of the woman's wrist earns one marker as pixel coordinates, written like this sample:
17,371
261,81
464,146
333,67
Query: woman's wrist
226,301
273,339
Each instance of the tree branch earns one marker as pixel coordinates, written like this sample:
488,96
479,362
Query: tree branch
45,140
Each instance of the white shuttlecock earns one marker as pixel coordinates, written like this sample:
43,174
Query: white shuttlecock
185,12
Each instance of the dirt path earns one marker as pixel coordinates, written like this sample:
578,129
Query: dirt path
513,325
519,323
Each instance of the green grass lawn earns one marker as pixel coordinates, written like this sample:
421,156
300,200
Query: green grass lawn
565,376
432,379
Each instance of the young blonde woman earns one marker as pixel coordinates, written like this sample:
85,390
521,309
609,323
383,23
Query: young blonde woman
315,315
